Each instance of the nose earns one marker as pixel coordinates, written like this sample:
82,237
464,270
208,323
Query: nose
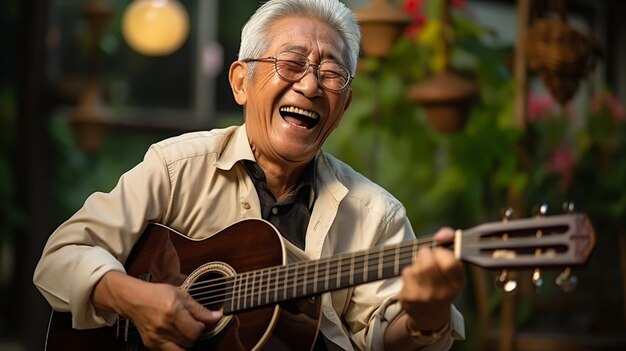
309,84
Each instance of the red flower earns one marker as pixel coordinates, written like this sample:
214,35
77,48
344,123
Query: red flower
459,4
414,9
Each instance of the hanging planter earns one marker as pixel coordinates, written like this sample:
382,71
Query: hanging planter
89,118
447,98
381,25
561,55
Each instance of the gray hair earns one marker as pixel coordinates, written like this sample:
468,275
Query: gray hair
254,40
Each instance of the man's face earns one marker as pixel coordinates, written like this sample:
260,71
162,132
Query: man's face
288,122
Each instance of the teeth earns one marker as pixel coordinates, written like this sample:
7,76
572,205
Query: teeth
292,109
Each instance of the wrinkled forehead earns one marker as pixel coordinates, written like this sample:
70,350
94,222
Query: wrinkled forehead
308,36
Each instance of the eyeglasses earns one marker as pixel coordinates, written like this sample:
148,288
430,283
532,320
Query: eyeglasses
292,66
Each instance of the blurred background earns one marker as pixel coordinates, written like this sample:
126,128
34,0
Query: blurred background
467,111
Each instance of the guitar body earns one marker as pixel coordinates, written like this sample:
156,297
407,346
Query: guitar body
165,256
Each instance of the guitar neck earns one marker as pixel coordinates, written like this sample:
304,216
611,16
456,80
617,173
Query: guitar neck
553,241
306,278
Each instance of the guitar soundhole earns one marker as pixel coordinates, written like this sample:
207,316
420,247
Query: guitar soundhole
210,289
209,285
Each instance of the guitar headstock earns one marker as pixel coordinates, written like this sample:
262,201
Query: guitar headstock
555,241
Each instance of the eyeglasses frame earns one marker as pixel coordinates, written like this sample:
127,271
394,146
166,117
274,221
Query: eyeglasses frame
315,67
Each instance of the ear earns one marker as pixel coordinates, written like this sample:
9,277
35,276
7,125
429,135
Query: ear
348,100
237,77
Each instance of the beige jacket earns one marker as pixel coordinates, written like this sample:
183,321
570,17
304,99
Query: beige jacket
194,184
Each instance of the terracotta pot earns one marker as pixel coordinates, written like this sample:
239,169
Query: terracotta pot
381,25
89,117
447,99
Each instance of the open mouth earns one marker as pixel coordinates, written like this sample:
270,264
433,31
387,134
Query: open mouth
298,117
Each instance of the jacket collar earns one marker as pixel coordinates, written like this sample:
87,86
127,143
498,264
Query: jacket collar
237,149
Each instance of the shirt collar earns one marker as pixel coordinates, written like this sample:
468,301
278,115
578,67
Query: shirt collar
237,149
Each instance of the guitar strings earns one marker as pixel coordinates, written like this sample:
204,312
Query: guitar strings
397,255
288,279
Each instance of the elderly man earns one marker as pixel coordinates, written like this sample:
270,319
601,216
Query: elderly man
296,62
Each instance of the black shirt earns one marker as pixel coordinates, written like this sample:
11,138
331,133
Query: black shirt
290,216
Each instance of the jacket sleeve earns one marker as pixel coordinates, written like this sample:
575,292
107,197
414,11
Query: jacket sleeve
373,306
98,238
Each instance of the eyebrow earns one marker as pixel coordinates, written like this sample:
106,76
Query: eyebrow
302,50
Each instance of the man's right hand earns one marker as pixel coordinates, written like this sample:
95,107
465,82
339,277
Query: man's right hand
167,318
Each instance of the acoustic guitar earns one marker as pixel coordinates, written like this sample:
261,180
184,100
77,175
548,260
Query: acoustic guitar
270,294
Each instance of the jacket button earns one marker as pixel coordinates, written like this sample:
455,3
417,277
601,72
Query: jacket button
246,205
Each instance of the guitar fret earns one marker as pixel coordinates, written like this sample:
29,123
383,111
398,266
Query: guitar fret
351,269
249,290
365,269
244,283
260,283
338,279
326,281
381,260
238,287
295,281
305,278
267,289
286,278
372,269
396,261
317,266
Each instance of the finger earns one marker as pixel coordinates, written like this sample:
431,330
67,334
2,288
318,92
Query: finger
447,262
170,346
444,235
187,328
451,270
164,341
423,273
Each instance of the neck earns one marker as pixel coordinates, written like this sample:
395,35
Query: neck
282,178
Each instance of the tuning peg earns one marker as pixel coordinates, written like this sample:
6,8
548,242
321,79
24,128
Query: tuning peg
506,214
537,278
505,283
541,210
568,207
566,281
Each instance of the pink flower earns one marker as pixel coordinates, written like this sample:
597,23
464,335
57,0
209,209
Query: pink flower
607,100
414,9
616,108
562,163
540,106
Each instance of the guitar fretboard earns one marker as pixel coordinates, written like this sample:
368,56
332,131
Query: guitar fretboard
307,278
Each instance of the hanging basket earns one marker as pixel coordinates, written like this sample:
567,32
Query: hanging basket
561,55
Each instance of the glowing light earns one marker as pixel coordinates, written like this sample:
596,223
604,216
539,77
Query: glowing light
155,27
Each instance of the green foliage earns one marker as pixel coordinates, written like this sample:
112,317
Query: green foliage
79,174
456,179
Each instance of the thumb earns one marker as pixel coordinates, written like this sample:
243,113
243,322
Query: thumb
201,313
